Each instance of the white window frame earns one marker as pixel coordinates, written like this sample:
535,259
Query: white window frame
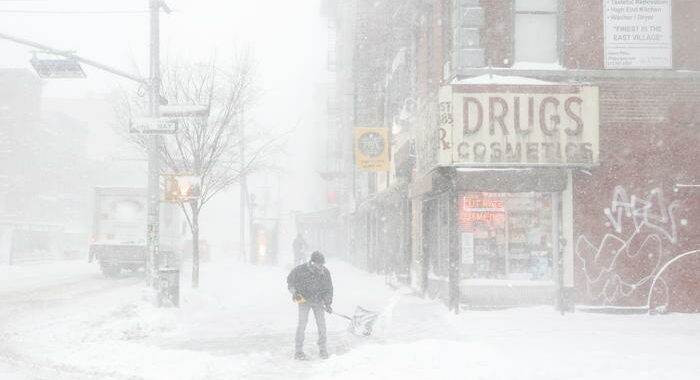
535,7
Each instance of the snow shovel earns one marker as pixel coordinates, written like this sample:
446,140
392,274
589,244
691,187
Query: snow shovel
362,321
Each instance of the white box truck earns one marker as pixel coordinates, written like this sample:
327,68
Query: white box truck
119,229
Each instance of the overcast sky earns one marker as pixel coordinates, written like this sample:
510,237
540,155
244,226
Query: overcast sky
288,39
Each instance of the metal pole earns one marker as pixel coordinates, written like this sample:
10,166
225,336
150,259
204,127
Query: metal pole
152,257
70,55
244,188
556,249
507,241
454,246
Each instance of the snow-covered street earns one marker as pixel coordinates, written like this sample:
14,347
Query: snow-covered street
498,190
64,321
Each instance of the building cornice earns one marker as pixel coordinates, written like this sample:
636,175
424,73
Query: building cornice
581,75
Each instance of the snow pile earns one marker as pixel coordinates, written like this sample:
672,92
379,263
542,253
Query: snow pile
128,322
23,278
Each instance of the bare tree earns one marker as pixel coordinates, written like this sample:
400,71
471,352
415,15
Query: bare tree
208,147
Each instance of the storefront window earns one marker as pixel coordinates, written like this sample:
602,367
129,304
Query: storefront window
506,235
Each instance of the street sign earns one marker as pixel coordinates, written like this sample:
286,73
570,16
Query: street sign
57,68
184,110
153,125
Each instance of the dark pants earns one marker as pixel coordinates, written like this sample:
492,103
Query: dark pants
304,308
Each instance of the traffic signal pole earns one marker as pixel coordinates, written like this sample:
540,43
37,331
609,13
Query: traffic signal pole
244,191
153,260
71,55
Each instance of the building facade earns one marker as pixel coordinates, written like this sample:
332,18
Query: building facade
45,205
542,152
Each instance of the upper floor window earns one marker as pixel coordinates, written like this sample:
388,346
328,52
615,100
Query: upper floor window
536,31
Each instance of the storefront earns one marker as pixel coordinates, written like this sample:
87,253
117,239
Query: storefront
508,251
486,237
379,234
496,210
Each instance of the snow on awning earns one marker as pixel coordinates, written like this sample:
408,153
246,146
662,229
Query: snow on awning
536,66
467,170
500,79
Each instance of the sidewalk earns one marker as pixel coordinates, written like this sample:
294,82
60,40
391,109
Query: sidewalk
28,277
240,325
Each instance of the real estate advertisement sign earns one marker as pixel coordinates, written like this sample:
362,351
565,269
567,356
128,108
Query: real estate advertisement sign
638,34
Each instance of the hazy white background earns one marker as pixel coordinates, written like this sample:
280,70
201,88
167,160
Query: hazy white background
288,39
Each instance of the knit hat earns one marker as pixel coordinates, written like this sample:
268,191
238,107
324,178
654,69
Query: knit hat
317,258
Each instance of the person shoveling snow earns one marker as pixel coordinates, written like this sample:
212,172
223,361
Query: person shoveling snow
312,289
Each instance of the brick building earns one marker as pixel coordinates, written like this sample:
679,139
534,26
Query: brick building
541,151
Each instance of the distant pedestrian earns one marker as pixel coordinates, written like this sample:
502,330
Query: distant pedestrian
299,246
312,289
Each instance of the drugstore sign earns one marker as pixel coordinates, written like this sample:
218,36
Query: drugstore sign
515,125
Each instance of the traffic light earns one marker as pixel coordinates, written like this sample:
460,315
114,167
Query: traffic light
182,188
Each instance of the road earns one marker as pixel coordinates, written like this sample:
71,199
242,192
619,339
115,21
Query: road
38,293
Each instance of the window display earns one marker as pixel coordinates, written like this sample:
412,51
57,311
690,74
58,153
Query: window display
506,235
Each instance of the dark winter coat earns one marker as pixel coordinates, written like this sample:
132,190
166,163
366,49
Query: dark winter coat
315,285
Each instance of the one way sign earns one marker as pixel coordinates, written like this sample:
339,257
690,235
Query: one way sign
152,125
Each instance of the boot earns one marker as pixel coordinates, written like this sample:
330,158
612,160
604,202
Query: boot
323,353
300,355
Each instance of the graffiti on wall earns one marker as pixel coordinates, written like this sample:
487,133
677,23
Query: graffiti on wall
628,257
653,213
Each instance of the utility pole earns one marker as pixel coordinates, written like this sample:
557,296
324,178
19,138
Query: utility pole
153,229
244,188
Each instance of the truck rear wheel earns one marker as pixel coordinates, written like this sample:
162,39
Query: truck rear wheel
111,271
